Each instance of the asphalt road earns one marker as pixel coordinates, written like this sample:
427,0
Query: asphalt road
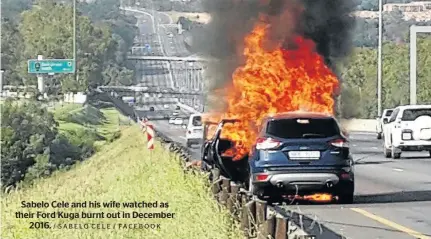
164,40
393,197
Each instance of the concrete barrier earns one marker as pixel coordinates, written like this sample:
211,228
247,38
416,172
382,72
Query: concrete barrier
364,125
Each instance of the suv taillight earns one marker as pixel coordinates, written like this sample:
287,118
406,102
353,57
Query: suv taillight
340,143
267,143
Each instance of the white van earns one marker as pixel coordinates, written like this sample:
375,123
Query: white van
194,134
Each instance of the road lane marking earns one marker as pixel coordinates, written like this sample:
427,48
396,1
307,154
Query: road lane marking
388,223
398,169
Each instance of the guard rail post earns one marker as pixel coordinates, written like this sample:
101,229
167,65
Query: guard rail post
225,190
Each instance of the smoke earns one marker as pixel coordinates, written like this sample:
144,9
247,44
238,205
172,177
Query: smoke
327,22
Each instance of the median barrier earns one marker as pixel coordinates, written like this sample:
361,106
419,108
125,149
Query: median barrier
364,125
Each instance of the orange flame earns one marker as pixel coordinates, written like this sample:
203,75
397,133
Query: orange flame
319,197
274,81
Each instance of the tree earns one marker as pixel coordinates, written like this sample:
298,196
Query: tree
27,131
11,45
47,30
359,94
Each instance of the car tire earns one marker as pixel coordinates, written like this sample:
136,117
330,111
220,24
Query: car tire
346,194
205,167
346,198
387,152
379,135
429,153
394,154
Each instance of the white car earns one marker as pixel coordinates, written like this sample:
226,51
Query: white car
178,121
171,120
166,106
408,129
176,113
195,128
385,115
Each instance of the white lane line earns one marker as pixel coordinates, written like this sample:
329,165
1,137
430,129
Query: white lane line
374,147
398,169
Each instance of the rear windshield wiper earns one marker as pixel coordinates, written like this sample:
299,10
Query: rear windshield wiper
311,135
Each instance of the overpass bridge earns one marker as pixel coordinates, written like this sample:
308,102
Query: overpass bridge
171,58
145,89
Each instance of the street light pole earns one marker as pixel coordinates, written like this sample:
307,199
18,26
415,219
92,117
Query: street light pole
379,63
74,40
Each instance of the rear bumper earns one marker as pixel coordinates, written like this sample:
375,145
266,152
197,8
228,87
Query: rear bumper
295,182
414,145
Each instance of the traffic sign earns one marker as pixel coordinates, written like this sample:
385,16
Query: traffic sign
51,66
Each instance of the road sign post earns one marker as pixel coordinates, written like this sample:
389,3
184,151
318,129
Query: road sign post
59,66
40,80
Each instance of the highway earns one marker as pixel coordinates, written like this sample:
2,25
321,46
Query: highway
164,40
393,197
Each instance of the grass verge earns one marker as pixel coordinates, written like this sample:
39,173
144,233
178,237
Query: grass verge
100,124
124,171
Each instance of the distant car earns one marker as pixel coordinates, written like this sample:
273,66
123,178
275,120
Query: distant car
178,121
160,95
301,154
385,115
171,120
151,108
175,113
177,107
408,129
194,133
166,106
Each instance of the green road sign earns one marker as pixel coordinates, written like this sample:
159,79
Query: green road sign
51,66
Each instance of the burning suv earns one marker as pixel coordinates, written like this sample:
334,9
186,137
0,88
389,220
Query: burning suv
301,154
295,154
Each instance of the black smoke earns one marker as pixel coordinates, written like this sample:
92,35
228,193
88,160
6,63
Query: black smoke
327,22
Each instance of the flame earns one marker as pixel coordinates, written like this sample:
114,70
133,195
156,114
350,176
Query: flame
274,81
318,197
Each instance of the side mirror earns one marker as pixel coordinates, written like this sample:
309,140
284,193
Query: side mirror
385,121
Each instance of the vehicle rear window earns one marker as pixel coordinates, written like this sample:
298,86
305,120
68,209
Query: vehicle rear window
388,113
197,121
303,128
412,114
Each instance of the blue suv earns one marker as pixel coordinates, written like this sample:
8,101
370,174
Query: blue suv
301,153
